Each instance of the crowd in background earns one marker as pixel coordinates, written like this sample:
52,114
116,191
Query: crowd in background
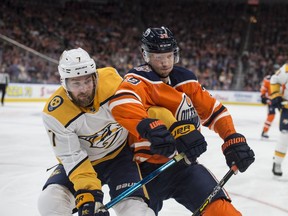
221,42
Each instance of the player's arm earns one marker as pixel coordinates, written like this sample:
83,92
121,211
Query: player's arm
216,116
277,80
76,163
127,105
264,90
128,108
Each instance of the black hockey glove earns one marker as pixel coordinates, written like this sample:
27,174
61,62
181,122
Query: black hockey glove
89,203
162,142
263,99
188,140
276,100
237,152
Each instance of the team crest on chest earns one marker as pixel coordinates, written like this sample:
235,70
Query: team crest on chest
54,103
105,138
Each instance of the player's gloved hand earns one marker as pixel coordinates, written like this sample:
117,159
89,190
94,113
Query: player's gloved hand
263,99
237,152
89,203
162,142
276,100
188,140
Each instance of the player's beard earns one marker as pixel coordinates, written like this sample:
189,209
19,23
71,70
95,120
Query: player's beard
83,100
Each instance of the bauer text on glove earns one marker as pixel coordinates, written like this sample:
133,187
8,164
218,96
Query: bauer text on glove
236,150
162,142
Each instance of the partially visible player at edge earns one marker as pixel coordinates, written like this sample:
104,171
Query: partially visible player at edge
265,99
160,83
280,100
89,144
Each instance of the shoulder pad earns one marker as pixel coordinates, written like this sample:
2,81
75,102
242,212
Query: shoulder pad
180,74
61,107
146,72
108,82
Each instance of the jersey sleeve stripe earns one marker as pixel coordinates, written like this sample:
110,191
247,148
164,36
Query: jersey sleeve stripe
218,117
126,92
140,144
123,101
214,115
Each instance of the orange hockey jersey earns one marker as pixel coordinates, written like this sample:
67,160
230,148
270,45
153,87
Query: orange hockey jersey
183,96
265,87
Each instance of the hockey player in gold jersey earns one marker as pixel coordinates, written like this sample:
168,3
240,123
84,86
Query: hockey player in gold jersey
89,144
279,99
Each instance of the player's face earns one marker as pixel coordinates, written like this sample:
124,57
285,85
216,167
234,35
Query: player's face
162,63
82,89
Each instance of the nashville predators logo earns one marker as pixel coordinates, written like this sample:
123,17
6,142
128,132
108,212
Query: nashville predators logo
54,103
104,138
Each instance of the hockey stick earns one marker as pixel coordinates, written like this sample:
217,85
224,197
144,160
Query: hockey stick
217,188
144,181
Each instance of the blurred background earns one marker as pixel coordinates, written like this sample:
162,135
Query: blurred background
229,44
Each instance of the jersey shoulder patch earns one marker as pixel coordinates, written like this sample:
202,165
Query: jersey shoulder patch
61,107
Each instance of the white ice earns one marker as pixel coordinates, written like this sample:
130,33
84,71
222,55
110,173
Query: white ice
25,154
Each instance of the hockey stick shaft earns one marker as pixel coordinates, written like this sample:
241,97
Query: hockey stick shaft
217,188
144,181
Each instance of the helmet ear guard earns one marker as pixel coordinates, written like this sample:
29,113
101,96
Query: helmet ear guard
145,55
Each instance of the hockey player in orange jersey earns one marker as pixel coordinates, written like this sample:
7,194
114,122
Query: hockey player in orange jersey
161,83
265,99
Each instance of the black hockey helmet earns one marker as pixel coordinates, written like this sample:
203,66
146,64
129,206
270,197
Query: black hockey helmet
159,40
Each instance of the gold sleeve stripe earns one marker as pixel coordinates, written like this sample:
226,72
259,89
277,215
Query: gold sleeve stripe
274,88
83,176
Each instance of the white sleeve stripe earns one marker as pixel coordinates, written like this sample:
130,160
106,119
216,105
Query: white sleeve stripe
123,101
141,144
130,92
219,117
187,81
214,107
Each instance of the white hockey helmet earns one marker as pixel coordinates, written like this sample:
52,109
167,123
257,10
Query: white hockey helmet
74,63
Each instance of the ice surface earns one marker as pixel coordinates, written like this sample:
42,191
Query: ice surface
25,154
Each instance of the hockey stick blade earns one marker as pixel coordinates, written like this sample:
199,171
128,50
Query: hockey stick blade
144,181
217,188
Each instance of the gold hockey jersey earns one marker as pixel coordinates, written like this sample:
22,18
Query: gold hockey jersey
83,137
